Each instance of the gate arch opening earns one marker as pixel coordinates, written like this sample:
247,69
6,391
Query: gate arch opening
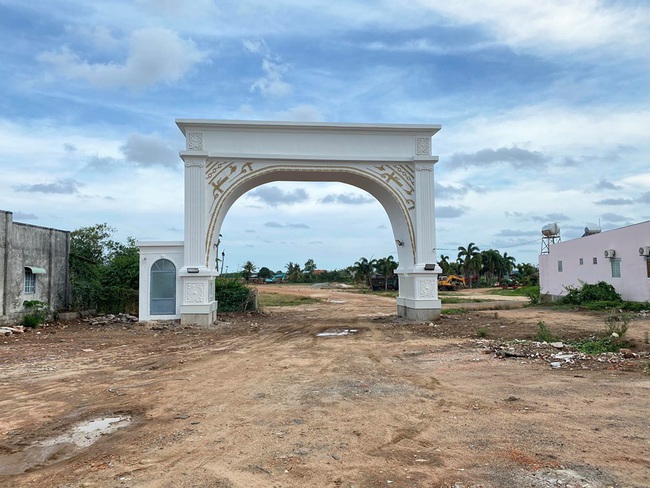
225,159
402,228
333,223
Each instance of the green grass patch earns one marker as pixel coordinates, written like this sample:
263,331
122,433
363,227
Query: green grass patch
453,311
600,345
281,300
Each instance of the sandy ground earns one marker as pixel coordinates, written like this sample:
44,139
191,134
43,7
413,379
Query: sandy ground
264,401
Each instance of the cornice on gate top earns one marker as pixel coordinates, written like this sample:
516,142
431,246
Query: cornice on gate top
307,141
185,125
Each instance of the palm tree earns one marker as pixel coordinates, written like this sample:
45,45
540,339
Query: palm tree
470,259
508,263
386,267
248,269
444,264
363,269
294,273
491,262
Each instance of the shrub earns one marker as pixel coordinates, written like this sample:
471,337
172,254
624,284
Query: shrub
36,313
234,296
600,292
482,332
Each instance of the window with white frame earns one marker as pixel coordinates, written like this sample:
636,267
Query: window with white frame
595,261
30,281
559,266
582,261
616,267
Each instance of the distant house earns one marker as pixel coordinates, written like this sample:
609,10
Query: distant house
620,257
34,265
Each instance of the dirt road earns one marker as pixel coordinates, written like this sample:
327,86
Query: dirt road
265,401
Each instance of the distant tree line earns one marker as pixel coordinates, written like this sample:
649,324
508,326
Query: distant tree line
485,268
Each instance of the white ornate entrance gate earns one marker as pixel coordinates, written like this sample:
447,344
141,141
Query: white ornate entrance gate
225,159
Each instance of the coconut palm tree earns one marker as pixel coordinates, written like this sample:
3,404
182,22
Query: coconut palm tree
444,264
386,267
294,273
508,263
470,259
363,270
248,269
491,260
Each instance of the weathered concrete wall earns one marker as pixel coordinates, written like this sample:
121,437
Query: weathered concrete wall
24,245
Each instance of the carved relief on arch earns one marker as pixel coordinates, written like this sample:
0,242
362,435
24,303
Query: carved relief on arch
195,141
224,177
423,146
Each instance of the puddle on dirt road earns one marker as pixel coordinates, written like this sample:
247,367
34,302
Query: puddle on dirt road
336,332
60,447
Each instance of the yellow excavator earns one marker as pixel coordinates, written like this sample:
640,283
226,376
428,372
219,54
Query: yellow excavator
451,282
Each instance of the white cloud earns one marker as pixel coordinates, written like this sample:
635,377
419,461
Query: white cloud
554,25
155,55
271,84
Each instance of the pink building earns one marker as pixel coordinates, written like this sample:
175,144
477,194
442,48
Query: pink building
620,257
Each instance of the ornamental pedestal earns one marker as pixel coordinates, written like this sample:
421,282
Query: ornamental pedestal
199,306
418,294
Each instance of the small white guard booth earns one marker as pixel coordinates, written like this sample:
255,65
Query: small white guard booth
225,159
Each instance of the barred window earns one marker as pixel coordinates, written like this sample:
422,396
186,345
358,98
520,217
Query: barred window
559,266
30,281
582,261
595,260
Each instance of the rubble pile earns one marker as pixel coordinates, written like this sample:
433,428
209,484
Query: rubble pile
10,330
559,355
122,318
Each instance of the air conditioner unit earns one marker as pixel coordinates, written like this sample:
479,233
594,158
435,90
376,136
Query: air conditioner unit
644,251
610,253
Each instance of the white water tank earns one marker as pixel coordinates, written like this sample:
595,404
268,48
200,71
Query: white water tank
550,230
590,231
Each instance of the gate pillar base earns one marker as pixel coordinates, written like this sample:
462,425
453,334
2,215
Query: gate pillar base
199,307
418,294
200,319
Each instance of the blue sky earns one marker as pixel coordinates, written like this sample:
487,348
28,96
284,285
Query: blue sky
544,107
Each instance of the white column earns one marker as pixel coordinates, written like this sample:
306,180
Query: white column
425,214
198,306
195,213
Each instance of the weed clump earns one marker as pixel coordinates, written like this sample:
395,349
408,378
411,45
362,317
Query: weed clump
616,326
544,334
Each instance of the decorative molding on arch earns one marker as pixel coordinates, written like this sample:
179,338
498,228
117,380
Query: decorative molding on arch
224,178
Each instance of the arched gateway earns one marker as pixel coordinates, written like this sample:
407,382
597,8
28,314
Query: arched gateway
225,159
